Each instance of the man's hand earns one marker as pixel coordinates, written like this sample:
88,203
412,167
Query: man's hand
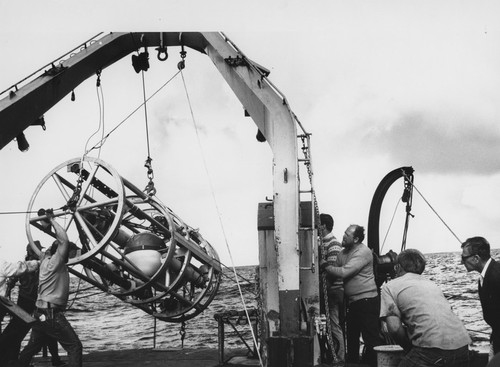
323,264
49,213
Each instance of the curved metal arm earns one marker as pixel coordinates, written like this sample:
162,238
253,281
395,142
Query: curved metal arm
378,198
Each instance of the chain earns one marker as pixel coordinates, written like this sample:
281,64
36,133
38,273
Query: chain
329,337
76,194
182,64
182,333
260,305
307,156
150,187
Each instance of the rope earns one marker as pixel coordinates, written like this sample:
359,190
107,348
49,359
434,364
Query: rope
390,225
329,335
100,101
145,111
435,212
100,143
218,214
76,293
18,212
239,275
150,187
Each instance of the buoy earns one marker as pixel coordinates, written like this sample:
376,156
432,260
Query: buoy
143,250
389,355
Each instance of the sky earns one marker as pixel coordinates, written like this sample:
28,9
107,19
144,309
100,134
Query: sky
379,85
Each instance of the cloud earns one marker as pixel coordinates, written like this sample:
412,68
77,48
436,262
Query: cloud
426,141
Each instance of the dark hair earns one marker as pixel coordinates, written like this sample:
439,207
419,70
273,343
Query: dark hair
71,247
412,261
478,246
327,221
30,253
359,232
53,247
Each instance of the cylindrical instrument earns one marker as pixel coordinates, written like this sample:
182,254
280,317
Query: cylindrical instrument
130,244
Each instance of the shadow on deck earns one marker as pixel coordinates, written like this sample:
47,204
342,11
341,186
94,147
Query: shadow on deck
160,357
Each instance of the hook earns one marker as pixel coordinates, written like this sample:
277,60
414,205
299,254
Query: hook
162,50
182,64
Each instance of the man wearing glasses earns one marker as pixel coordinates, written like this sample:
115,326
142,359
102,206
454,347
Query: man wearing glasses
476,257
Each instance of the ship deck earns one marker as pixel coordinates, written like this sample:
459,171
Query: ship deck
203,357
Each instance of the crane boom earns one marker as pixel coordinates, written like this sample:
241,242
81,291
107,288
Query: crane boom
289,291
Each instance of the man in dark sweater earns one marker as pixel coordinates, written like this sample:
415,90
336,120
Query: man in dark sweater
16,330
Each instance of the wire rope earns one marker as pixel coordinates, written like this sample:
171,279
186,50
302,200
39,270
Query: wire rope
103,140
145,111
435,212
18,212
390,225
100,102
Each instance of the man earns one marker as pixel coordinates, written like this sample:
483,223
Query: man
335,287
8,270
53,292
476,257
16,330
420,319
355,267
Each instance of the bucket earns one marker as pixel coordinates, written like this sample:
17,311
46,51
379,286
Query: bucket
389,355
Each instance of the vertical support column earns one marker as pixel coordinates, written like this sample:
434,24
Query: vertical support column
281,349
268,282
220,334
273,117
309,286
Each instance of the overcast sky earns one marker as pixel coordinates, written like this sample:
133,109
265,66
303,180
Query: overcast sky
379,85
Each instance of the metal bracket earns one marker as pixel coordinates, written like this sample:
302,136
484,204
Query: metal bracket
237,61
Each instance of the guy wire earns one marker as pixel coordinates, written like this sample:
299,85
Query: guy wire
430,206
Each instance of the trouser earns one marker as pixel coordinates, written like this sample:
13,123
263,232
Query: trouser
430,357
57,327
363,319
336,310
12,337
495,342
3,312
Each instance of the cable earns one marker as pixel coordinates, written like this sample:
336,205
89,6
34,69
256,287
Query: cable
390,225
145,111
100,143
76,294
16,212
435,212
100,101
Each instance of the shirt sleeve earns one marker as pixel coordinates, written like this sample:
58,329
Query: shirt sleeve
21,267
56,262
350,268
388,305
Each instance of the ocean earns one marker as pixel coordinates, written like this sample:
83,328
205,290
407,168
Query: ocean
103,322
